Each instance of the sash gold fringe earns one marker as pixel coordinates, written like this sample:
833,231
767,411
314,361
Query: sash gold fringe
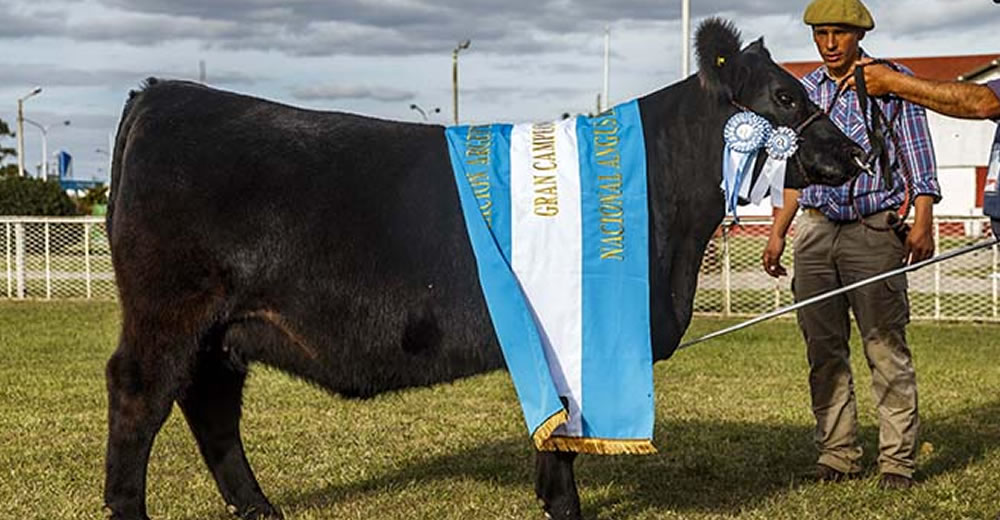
545,430
544,441
598,446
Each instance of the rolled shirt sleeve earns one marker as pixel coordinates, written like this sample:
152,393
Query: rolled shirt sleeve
917,150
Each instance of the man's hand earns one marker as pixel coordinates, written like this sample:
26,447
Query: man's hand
878,78
772,256
919,244
952,98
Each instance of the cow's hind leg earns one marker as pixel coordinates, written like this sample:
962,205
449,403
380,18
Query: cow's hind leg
142,384
555,485
212,407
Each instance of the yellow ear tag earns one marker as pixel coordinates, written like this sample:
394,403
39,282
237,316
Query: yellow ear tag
720,61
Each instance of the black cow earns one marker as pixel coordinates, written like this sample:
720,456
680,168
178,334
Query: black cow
332,246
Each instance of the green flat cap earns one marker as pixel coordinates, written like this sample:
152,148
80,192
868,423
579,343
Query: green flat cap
842,12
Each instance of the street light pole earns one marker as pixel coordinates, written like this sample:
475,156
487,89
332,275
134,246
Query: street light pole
45,145
20,129
607,70
686,38
414,106
464,44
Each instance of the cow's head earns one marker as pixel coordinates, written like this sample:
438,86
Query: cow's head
749,78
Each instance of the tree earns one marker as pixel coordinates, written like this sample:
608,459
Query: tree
27,196
96,196
6,170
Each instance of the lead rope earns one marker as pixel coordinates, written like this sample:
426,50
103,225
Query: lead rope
876,140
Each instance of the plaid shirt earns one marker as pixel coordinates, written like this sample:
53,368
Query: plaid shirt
869,191
994,85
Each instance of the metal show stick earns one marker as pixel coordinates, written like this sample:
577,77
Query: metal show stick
820,297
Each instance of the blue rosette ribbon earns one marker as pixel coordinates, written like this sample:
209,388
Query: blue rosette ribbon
745,133
780,146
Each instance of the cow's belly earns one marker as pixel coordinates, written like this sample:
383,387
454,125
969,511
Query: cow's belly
371,334
361,309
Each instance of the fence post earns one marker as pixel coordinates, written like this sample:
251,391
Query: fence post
19,258
10,270
995,280
86,257
937,270
48,264
727,278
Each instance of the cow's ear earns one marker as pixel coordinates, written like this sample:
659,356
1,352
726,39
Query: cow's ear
739,76
758,47
717,43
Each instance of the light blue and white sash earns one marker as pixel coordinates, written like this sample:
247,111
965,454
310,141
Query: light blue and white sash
557,217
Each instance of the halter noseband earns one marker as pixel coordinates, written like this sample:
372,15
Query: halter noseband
798,131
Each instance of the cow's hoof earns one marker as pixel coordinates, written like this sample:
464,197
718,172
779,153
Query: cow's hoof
562,515
563,511
110,514
263,511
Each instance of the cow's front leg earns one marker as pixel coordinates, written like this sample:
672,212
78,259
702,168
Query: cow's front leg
555,485
211,406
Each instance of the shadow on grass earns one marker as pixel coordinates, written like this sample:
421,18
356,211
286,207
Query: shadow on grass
709,466
960,439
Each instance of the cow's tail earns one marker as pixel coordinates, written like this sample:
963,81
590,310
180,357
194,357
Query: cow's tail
121,140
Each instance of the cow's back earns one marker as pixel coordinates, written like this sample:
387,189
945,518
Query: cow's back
328,244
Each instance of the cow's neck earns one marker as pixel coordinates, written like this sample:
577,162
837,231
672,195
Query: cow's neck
683,132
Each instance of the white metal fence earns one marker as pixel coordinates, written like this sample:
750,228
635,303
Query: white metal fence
63,258
56,258
732,281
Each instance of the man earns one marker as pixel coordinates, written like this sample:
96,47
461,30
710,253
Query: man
844,236
951,98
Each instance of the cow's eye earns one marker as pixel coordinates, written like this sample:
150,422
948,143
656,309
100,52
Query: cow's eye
785,99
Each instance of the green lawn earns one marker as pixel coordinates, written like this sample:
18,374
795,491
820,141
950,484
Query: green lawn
733,429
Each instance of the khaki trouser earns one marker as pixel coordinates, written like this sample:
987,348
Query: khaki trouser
829,255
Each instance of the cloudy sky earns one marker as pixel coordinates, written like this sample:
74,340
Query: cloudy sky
529,59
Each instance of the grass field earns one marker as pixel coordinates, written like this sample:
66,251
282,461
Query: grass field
733,429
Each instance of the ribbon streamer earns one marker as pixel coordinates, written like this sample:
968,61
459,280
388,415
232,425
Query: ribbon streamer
747,177
745,133
735,181
771,180
781,145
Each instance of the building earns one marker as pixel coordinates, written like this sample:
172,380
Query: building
72,186
962,146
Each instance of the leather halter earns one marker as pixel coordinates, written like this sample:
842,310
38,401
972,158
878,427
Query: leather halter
798,133
876,130
798,128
